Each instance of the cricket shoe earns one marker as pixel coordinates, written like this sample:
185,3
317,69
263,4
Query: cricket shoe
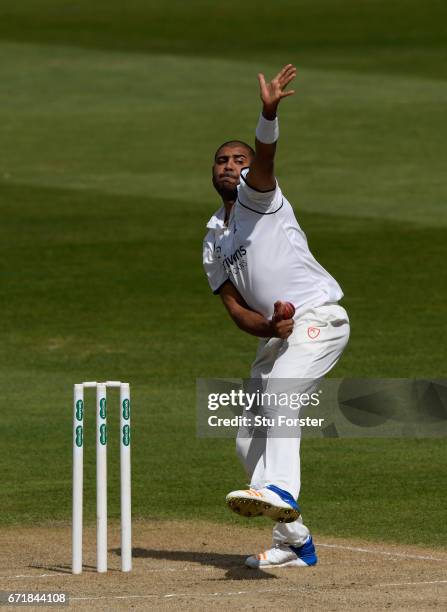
283,555
269,501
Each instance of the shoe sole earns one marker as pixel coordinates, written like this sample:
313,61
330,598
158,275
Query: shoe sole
254,507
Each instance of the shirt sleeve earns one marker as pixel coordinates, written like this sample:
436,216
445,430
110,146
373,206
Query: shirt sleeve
214,269
262,202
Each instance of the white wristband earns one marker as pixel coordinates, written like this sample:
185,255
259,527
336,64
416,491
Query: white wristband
267,131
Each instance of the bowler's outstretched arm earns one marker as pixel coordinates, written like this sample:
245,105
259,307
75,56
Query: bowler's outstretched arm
262,174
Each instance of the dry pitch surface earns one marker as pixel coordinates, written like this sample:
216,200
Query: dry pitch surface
199,566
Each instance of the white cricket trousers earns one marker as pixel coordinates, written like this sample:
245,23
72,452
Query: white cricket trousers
318,339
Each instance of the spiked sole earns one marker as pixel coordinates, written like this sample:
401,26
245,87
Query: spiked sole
254,507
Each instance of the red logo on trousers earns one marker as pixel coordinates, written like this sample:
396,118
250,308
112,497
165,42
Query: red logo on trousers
313,332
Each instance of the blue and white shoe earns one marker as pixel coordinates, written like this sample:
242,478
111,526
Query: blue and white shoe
283,555
269,501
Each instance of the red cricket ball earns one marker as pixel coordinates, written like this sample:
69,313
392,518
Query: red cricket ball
283,310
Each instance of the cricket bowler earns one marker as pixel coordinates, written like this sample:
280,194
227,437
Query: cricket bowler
257,260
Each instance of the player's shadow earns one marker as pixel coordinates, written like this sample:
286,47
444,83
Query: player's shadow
233,564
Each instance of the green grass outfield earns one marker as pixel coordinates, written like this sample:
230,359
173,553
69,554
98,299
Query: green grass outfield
108,121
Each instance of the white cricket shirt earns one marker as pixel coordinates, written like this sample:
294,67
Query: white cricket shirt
264,253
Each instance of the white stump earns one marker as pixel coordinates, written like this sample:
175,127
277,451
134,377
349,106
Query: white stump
126,528
101,478
78,467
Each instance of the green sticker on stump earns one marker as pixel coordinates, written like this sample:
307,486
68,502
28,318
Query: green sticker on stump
126,409
102,407
79,410
79,435
103,434
126,435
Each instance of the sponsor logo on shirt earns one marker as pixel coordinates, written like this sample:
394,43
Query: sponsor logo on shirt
236,262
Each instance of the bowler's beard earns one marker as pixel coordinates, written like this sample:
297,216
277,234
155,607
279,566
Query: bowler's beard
225,193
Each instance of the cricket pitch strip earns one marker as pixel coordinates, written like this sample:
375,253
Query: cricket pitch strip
191,565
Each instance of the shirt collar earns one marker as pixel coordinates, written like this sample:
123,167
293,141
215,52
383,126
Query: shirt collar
218,219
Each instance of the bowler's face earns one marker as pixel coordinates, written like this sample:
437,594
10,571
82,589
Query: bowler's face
227,168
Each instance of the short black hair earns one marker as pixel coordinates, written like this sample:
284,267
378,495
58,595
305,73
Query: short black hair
235,143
